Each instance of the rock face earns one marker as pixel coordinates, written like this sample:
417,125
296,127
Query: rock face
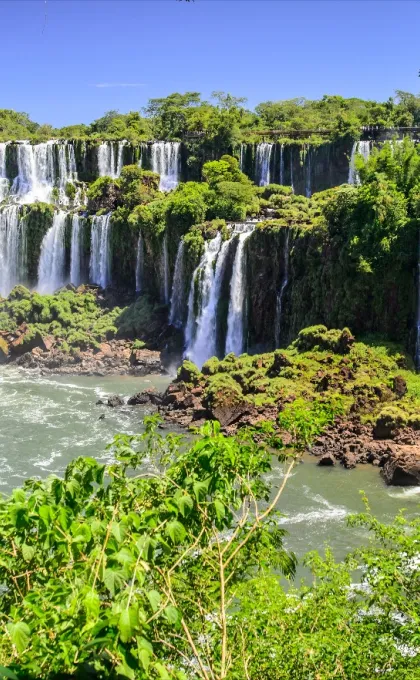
113,357
403,468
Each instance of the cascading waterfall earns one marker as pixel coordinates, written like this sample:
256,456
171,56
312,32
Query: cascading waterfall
291,169
203,276
12,249
51,269
262,160
100,265
308,189
205,342
280,294
140,264
281,164
76,251
177,297
106,159
241,158
165,161
165,266
235,325
4,182
362,149
37,171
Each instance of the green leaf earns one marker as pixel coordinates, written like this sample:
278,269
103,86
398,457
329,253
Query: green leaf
176,531
124,671
19,634
163,673
92,604
113,580
127,623
200,490
117,531
185,505
144,658
28,552
171,614
155,599
7,673
219,509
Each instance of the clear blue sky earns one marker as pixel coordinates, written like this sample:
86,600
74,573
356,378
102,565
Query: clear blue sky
55,53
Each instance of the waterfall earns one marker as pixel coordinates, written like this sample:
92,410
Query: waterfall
202,278
281,164
262,160
358,149
177,297
76,251
4,182
51,269
120,159
165,161
285,280
308,191
291,169
43,168
165,265
12,249
235,328
106,160
100,265
205,342
140,264
241,158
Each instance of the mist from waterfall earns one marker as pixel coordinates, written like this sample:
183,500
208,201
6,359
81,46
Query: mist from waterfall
100,261
176,313
76,251
262,163
362,149
235,324
166,162
51,268
140,264
280,294
12,249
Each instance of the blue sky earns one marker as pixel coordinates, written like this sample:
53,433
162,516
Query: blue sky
69,61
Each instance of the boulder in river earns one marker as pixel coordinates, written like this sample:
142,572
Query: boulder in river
115,401
403,467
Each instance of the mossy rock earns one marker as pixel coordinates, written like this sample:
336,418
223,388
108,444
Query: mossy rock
188,373
4,350
388,422
320,338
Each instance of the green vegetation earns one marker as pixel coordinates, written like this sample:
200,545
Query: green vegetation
323,374
116,572
224,121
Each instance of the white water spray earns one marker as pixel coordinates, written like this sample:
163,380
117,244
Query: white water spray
100,261
166,161
51,269
76,251
262,161
235,327
12,249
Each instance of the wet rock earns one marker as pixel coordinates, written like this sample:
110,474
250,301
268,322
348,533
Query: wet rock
403,467
349,460
229,414
115,401
327,460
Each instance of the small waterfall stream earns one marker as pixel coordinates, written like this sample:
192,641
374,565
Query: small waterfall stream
51,269
12,249
4,182
281,179
176,314
165,267
166,161
308,178
100,264
140,264
262,162
235,327
362,149
280,294
76,251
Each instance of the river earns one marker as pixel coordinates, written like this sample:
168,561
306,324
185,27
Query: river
45,422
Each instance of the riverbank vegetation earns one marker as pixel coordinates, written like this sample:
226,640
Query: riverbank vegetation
167,564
